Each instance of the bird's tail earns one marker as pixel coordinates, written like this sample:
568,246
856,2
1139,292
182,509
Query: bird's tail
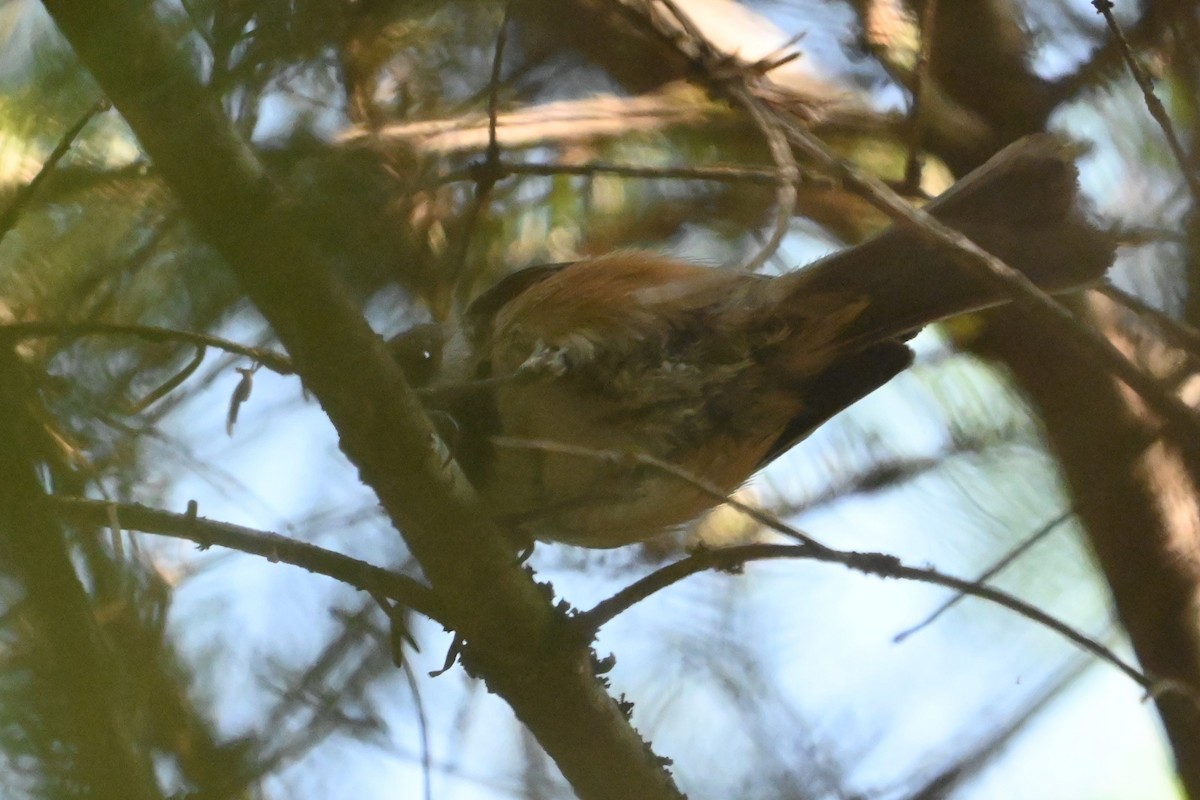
1022,206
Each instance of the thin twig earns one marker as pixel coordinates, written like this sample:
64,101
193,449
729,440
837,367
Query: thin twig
1012,555
787,171
787,175
784,54
322,700
320,673
271,546
885,473
170,384
1153,104
410,675
983,265
993,271
324,679
716,174
880,564
493,148
272,360
21,201
558,123
485,174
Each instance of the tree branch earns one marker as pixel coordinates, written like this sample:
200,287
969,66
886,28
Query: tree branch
276,362
880,564
271,546
513,635
17,207
1155,106
1056,318
728,558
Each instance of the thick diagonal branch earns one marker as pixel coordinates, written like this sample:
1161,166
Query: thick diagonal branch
508,624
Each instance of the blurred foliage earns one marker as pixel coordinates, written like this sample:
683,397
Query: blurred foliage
241,679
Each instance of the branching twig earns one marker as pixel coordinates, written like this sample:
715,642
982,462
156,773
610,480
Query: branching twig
326,682
1153,104
1015,285
272,360
983,265
1012,555
271,546
25,193
880,564
787,172
787,175
170,384
485,174
504,617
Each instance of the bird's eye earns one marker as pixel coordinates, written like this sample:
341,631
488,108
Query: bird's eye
418,351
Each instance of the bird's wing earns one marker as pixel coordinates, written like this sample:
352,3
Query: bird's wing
838,387
612,308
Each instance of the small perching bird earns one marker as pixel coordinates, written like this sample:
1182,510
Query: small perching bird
716,372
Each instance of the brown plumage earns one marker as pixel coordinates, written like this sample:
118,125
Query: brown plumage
716,371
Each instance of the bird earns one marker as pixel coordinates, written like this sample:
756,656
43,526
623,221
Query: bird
713,372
